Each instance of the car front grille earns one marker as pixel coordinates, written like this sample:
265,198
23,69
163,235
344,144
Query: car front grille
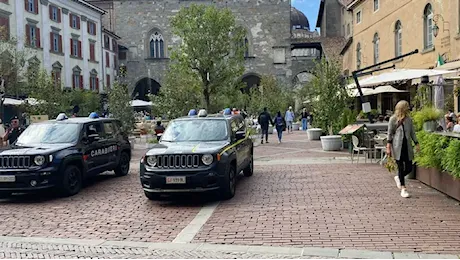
178,161
15,162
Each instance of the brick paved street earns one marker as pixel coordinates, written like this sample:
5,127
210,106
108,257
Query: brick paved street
299,196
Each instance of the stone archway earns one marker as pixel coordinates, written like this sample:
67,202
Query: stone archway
299,81
144,88
250,80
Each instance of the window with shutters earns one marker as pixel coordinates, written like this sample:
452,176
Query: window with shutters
31,6
114,46
74,21
115,61
107,82
4,28
56,74
107,60
33,36
93,80
106,42
91,28
54,14
77,78
92,53
75,50
428,27
55,43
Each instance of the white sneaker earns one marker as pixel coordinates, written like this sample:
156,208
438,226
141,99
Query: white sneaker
398,182
404,193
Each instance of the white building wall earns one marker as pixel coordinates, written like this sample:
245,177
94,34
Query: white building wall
20,17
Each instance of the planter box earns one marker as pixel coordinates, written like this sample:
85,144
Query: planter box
331,142
430,126
314,133
295,126
441,181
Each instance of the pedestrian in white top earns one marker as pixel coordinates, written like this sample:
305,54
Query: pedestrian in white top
289,118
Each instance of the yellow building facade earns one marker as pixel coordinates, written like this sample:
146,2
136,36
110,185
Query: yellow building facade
384,29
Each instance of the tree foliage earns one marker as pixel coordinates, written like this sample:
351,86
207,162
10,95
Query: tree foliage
119,106
212,50
271,94
14,65
51,99
328,96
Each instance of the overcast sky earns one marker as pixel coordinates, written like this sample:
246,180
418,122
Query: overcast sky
309,8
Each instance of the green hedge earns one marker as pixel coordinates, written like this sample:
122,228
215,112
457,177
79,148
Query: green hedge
440,152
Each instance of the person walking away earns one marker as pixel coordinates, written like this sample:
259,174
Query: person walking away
305,119
400,134
289,117
280,125
264,120
13,132
159,129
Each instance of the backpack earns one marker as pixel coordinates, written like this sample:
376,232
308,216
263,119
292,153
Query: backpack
279,121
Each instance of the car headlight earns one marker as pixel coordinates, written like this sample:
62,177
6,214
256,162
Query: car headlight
151,160
39,160
207,159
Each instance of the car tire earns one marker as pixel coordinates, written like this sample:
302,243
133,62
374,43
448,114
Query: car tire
152,195
229,188
123,167
249,170
71,181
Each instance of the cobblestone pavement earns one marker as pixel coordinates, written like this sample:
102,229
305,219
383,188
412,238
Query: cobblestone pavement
336,205
69,251
299,196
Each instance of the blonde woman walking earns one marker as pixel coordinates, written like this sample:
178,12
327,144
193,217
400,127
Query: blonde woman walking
400,134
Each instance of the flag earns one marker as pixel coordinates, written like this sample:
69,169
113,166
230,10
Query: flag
440,61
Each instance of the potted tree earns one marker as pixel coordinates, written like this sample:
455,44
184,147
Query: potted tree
427,118
329,102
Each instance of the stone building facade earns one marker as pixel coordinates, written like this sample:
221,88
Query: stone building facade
146,39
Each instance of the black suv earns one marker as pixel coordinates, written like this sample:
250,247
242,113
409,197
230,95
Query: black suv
198,154
62,153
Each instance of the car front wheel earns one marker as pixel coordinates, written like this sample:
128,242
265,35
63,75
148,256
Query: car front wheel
71,181
123,166
229,187
249,170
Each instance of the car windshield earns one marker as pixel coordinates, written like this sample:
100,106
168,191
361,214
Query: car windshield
200,130
49,133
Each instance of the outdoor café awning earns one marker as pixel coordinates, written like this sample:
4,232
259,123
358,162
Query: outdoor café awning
140,103
375,91
397,76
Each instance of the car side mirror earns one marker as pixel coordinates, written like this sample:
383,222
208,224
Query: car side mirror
240,135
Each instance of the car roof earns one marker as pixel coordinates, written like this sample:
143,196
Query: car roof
78,120
212,117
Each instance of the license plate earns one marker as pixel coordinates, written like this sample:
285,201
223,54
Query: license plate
7,178
175,180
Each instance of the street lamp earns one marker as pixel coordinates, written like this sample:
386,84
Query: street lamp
435,27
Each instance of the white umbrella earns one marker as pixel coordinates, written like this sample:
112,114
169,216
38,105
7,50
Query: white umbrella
140,103
439,93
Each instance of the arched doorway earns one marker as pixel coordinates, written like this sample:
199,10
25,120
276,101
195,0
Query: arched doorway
145,87
299,81
250,81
